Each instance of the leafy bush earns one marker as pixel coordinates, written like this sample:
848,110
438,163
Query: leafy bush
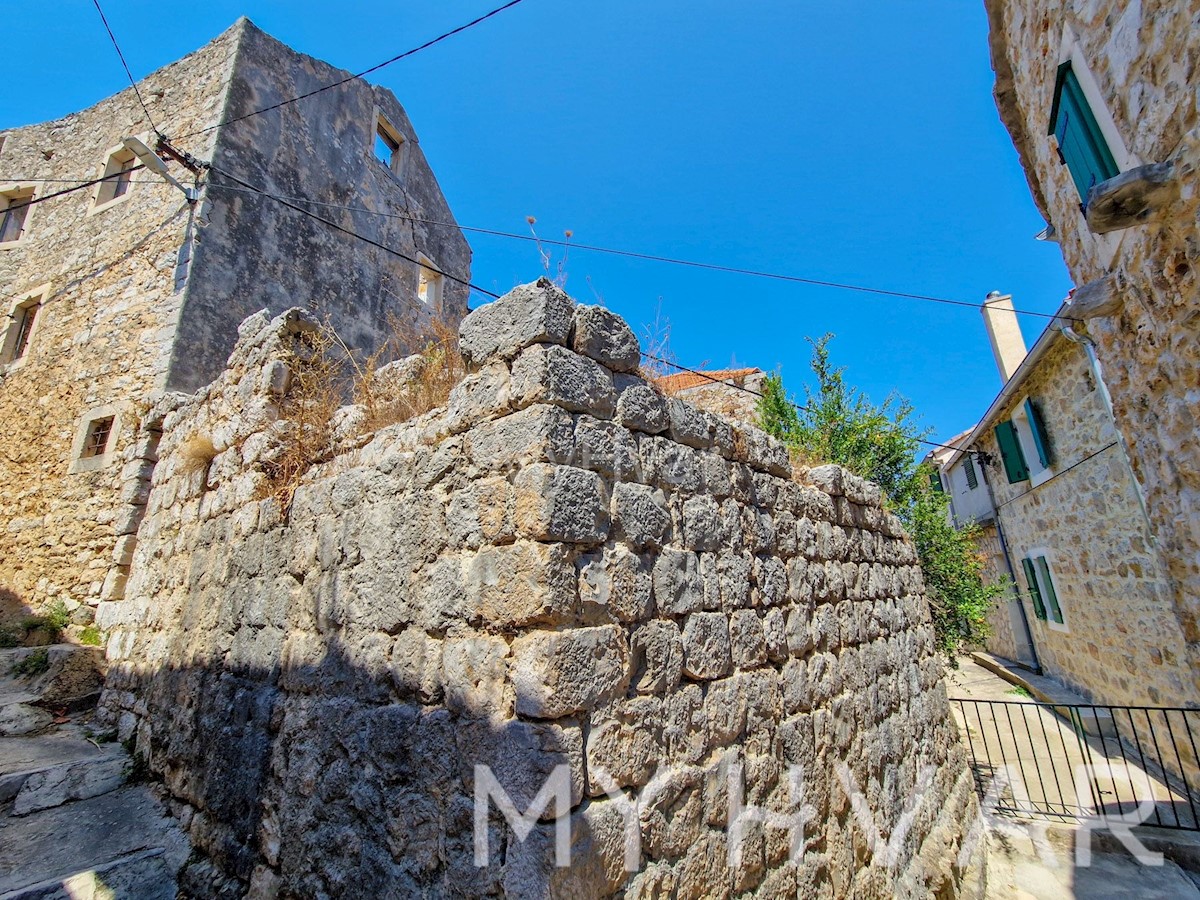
35,663
91,636
838,424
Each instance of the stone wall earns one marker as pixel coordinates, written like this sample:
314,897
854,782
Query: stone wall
1121,642
560,568
1144,58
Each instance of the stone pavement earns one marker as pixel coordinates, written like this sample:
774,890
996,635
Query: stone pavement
1035,857
71,824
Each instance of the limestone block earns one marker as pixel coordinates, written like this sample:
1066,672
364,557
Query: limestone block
481,394
605,447
747,639
657,653
602,335
474,674
671,818
678,588
597,848
642,408
714,471
624,743
668,465
526,315
615,582
560,503
640,514
521,584
555,375
775,635
689,425
123,551
799,634
724,711
706,649
828,479
563,672
702,525
540,433
416,666
771,580
523,756
734,573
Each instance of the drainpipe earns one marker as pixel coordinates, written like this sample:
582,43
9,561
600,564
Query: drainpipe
1008,563
1089,347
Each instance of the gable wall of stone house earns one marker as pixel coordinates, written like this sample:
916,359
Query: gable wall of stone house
1123,643
1145,59
560,568
146,294
103,335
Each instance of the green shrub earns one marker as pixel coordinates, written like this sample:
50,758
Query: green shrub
10,637
91,636
35,663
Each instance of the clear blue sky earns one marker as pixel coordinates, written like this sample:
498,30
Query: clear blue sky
851,141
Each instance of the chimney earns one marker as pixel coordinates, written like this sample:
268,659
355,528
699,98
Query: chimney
1004,332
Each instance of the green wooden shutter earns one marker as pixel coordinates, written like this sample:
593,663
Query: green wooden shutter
1035,594
1010,451
1051,597
935,481
1038,429
1080,140
969,468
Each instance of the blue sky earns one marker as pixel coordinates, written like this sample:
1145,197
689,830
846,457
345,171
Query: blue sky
853,141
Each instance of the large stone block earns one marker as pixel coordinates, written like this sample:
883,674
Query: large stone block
529,314
640,514
641,407
602,335
678,587
560,503
615,583
706,649
657,653
521,584
550,374
558,673
540,433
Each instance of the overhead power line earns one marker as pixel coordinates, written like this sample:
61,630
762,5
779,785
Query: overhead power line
357,75
112,37
79,186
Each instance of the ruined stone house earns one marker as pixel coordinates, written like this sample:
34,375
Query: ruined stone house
1100,98
125,289
1044,476
732,393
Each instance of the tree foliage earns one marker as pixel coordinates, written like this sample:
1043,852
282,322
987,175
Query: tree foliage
838,423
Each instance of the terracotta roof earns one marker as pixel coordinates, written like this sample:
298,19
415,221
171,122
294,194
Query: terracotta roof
684,380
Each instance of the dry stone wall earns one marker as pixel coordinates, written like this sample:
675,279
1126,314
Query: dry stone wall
560,575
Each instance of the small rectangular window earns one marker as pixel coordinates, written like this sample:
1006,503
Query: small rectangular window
24,325
14,210
389,145
1015,467
98,434
1035,592
118,176
1081,144
429,286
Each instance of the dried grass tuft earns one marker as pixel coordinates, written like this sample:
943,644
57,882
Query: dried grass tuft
197,454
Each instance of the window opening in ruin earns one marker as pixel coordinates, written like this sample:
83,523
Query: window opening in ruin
98,433
13,214
25,318
118,176
389,145
429,285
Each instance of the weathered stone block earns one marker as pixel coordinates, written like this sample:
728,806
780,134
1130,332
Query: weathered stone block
678,587
555,375
521,584
560,503
541,433
526,315
706,649
689,425
615,582
702,525
747,639
657,651
563,672
474,673
642,408
624,744
603,336
640,514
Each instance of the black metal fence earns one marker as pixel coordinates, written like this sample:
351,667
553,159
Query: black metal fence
1074,761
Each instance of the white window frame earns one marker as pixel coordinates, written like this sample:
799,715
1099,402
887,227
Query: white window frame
80,463
101,199
35,297
1032,555
1038,474
431,273
399,155
6,194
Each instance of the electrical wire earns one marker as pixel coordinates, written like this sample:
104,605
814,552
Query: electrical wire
1073,465
112,37
375,68
78,187
632,254
351,233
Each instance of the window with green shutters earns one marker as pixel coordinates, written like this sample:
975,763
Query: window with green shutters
1035,594
1037,428
1081,144
1011,454
1047,584
969,469
1041,589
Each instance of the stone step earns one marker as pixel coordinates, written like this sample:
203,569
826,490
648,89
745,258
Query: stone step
21,757
78,780
61,851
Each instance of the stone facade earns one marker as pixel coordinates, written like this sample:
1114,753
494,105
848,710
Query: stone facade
1121,640
1138,291
727,392
145,294
562,567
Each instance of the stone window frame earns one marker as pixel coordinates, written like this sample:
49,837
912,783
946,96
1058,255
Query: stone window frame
1038,475
384,129
79,462
24,191
1063,627
114,160
432,274
23,301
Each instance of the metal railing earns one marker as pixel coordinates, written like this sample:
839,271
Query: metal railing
1075,761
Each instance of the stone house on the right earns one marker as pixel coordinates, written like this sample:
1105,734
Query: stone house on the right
1100,98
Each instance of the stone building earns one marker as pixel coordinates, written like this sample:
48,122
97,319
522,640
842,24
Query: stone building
124,289
1045,476
1100,98
560,574
728,392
